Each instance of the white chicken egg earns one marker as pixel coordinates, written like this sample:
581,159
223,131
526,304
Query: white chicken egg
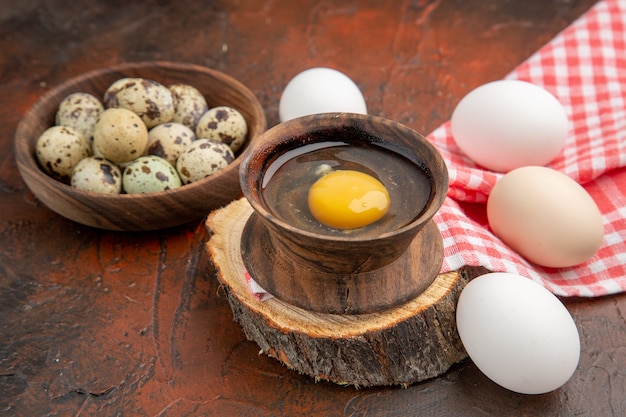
320,90
507,124
517,333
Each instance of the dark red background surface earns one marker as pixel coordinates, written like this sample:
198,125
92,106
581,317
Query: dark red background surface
104,323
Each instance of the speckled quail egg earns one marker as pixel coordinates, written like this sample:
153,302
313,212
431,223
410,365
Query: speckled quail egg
120,165
149,174
120,135
80,111
204,157
149,99
96,152
168,140
98,175
224,124
189,104
116,87
59,149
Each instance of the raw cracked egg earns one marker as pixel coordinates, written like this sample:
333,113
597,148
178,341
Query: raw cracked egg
507,124
320,90
347,199
545,216
517,333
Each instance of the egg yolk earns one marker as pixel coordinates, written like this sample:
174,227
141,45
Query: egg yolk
346,199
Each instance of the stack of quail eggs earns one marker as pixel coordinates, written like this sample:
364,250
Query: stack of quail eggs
143,137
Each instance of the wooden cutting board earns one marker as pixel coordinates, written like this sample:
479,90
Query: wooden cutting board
402,345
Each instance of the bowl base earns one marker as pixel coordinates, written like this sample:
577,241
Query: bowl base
356,293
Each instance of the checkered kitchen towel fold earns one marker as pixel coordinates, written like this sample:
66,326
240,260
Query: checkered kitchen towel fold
585,68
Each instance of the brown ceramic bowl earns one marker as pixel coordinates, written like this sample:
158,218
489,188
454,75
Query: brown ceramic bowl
334,272
133,212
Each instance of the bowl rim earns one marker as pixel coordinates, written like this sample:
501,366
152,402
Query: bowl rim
306,124
24,142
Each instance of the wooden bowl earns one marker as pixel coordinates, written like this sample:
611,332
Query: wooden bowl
134,212
343,273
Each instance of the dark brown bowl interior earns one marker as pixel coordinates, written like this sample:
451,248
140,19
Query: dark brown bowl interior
137,211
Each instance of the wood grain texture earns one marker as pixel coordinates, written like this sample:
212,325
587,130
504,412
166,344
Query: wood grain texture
137,211
401,345
138,320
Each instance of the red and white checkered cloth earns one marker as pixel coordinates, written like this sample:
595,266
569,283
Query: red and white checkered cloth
585,68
